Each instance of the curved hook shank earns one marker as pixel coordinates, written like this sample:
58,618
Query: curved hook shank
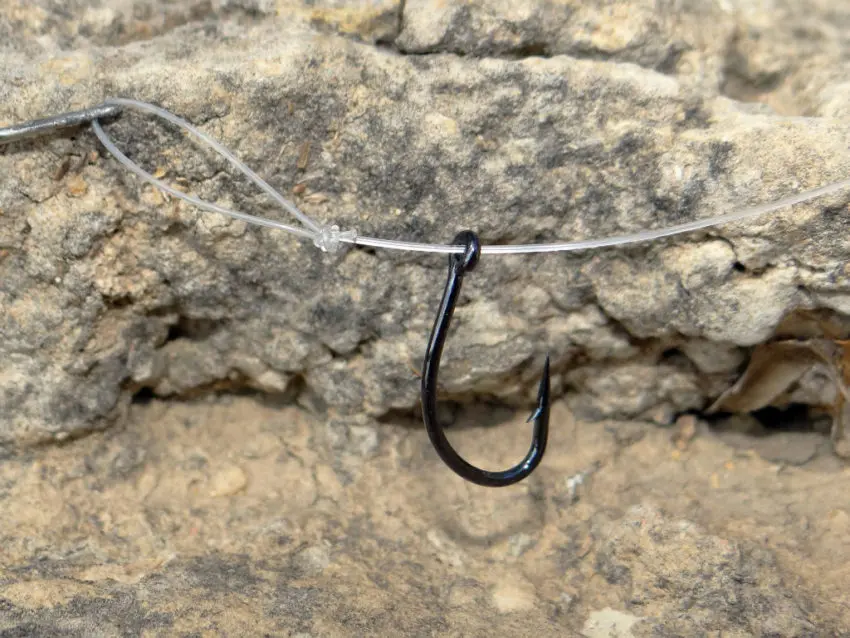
459,264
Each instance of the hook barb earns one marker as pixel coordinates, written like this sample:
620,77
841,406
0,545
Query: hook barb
460,264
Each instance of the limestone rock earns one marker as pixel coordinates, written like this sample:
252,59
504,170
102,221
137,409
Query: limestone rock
524,121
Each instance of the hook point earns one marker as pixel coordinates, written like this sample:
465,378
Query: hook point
542,393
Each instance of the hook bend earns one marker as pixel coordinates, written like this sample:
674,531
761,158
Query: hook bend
460,264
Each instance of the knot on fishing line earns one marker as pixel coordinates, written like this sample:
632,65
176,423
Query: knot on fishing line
329,238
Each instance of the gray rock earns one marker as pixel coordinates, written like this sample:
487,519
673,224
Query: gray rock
109,288
739,584
668,36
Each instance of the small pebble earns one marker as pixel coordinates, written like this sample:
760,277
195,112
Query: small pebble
609,623
513,597
228,481
77,186
313,560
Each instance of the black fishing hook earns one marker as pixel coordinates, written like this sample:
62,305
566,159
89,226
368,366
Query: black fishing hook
460,264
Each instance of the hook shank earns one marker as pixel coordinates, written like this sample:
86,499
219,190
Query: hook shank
49,125
459,264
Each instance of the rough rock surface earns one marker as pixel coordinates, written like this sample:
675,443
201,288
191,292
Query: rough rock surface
230,517
207,513
527,121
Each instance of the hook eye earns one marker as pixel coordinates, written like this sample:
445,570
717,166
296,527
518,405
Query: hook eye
468,259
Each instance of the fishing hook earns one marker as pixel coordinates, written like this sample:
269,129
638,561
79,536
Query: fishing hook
459,265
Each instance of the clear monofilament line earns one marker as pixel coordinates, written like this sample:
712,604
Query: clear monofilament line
317,231
688,227
200,203
221,150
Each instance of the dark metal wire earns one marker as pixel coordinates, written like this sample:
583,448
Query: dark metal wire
48,125
460,264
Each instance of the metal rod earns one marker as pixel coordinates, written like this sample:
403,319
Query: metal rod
48,125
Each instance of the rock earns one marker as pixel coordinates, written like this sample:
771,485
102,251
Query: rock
645,539
685,36
525,121
661,585
790,56
228,481
81,24
608,623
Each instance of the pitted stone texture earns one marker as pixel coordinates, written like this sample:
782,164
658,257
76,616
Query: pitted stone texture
108,287
232,517
51,26
665,36
788,54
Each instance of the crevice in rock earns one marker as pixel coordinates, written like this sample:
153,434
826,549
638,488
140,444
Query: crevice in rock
194,329
389,43
533,50
234,385
143,396
739,82
795,434
544,50
771,420
796,417
457,413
